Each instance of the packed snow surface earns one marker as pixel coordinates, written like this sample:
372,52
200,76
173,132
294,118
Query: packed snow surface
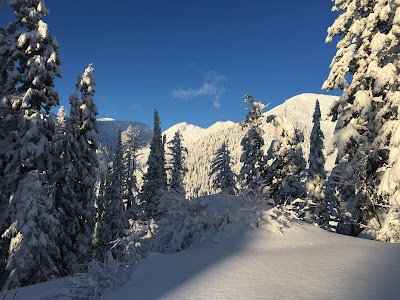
304,263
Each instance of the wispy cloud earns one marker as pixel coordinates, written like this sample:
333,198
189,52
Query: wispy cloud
135,106
213,86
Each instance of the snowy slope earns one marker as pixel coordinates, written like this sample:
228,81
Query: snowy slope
304,263
202,143
108,131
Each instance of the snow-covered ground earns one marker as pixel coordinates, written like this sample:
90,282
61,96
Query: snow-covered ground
303,263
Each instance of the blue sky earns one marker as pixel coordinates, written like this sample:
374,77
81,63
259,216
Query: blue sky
191,60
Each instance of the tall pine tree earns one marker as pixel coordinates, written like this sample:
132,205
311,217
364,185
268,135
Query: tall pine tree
112,217
177,167
253,158
222,171
286,163
366,68
155,180
130,146
32,228
87,163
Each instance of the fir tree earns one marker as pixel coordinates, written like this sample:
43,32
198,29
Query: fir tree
6,61
87,163
66,185
253,158
130,145
155,182
221,169
365,68
177,167
327,208
285,163
316,163
112,218
32,228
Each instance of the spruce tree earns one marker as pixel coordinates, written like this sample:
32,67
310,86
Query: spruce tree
130,146
87,163
155,182
253,158
116,218
365,67
285,163
222,171
327,208
316,162
32,227
177,167
111,215
66,185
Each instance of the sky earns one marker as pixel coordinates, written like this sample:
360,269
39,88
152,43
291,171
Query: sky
193,61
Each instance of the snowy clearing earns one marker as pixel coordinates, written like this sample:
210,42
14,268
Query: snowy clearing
304,263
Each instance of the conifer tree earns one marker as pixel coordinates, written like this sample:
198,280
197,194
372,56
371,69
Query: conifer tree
155,182
365,68
316,162
177,167
66,185
32,228
253,158
130,145
221,169
116,219
6,61
87,163
285,163
111,215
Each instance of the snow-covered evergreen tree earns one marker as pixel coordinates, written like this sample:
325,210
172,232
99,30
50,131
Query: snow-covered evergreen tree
111,217
177,167
87,162
155,181
326,212
366,68
6,61
66,185
32,228
316,159
130,145
286,163
253,158
222,172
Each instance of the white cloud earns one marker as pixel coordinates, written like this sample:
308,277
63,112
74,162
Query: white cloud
135,106
213,86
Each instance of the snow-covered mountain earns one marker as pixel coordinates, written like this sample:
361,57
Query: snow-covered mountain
202,143
108,131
